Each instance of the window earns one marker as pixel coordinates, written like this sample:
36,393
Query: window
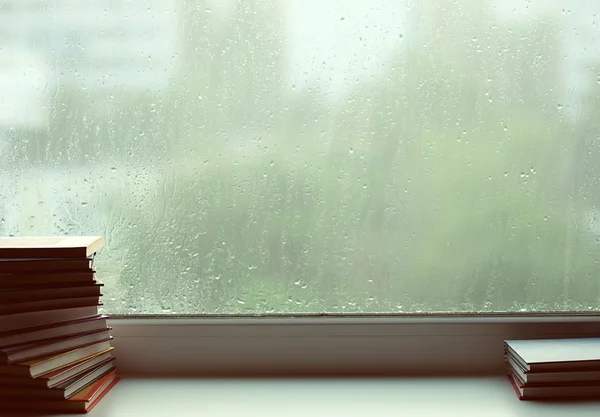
303,156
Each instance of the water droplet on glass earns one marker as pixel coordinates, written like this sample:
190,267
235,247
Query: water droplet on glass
84,203
560,106
504,126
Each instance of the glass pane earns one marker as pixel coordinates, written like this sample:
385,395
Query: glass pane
279,156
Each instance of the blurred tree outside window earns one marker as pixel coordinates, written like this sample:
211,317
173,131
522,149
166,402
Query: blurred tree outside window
304,156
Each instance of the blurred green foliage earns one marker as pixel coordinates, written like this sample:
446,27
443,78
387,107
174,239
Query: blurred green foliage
447,182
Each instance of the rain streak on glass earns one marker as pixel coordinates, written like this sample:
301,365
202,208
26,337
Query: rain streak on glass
308,156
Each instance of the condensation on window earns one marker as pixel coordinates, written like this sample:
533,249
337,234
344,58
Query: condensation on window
310,156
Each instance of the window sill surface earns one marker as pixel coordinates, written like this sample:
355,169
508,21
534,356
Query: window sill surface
331,397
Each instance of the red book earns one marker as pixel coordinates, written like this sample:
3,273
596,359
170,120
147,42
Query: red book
82,402
10,267
30,351
40,366
59,303
62,391
52,331
35,293
41,318
54,378
515,385
45,279
584,389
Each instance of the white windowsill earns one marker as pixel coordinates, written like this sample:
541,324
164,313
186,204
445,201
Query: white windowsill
169,355
415,397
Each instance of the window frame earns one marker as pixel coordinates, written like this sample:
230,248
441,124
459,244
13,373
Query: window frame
408,345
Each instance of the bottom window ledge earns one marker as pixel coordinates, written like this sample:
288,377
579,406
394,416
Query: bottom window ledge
290,397
374,346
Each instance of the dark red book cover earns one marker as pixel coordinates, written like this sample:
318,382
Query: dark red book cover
60,303
52,325
21,295
22,353
29,319
41,334
46,279
24,265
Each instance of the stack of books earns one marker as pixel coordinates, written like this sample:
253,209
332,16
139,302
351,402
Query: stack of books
554,368
55,350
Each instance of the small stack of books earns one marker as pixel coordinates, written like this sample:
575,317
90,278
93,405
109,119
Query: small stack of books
554,368
55,352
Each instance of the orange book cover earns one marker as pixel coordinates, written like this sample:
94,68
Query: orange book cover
60,375
91,392
63,391
82,402
87,398
101,394
80,364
